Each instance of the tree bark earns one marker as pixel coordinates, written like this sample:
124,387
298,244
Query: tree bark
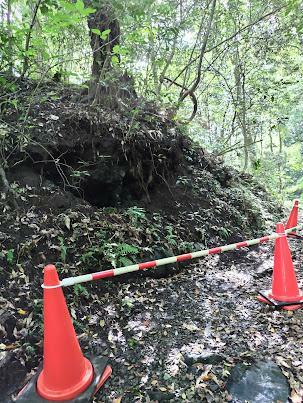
102,47
241,107
28,38
6,187
202,52
103,19
9,34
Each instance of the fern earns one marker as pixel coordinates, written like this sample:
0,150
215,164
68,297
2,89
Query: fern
124,261
136,214
115,253
126,249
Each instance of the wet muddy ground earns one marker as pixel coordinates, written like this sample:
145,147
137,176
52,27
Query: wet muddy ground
178,338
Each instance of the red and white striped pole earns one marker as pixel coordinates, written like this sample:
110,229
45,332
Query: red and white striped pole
168,260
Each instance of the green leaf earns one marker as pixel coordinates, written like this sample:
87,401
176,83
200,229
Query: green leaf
117,50
96,31
115,60
10,256
105,34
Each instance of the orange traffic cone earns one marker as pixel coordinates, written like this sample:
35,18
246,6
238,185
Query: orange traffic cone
66,373
293,217
285,288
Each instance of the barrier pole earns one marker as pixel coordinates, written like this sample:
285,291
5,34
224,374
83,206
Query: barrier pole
168,260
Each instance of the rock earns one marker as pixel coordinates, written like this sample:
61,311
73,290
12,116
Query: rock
8,321
161,396
12,373
162,271
263,269
262,382
206,357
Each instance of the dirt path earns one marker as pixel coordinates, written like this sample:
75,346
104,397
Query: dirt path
178,338
173,338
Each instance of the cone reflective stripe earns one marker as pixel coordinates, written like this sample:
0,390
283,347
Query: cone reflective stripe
293,217
66,372
284,283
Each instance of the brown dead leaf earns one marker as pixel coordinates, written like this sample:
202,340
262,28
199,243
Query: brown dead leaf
8,346
295,398
281,361
207,377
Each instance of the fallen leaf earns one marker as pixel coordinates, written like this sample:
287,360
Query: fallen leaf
8,346
295,398
22,312
67,222
73,313
191,327
280,361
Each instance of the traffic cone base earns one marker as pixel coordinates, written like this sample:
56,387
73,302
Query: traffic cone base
283,298
285,288
277,304
103,378
292,307
66,374
102,371
71,392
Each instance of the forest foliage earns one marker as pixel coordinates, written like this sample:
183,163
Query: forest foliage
228,72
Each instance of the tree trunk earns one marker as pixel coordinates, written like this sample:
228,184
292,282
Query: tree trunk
103,20
9,34
28,38
107,85
102,45
241,107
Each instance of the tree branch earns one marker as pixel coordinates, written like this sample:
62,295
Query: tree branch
192,97
6,186
28,37
199,69
233,147
230,38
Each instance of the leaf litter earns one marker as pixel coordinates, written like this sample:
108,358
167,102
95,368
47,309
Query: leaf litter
207,307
